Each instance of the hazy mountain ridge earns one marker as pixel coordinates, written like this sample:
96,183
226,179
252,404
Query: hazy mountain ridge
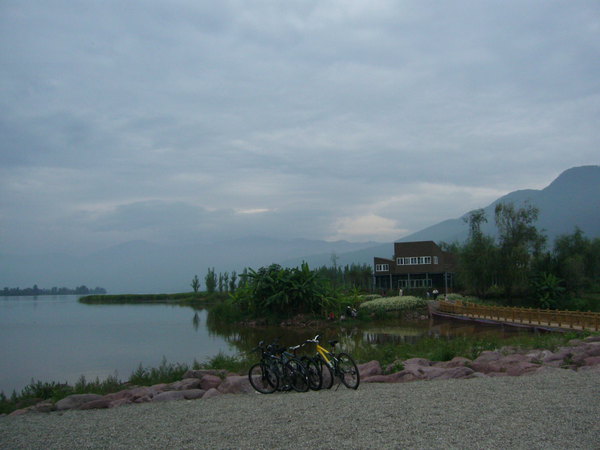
572,199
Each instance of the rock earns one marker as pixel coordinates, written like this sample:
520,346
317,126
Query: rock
193,394
513,365
592,361
592,339
211,393
417,362
236,384
97,404
75,401
202,372
44,406
188,394
185,384
20,412
209,382
488,356
457,361
369,369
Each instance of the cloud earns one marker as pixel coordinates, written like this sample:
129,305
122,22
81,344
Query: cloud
316,118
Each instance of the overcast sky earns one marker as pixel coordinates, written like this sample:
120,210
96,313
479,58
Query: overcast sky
361,120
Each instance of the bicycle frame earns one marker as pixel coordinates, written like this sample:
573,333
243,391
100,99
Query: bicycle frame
325,354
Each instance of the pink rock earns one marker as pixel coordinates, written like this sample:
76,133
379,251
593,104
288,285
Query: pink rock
236,384
457,361
20,412
592,361
211,393
369,369
488,356
193,394
417,362
202,372
208,382
186,383
45,406
75,401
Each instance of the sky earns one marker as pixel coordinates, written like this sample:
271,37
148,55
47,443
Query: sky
196,121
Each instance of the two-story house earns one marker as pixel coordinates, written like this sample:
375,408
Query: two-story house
415,265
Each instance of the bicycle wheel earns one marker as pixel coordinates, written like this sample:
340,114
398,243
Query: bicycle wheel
326,373
315,379
296,375
348,371
263,379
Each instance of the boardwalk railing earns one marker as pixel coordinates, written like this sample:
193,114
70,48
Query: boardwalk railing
576,320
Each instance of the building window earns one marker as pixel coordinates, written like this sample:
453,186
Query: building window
382,267
414,260
435,260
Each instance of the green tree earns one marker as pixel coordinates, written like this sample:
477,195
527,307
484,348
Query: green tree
195,283
477,258
210,280
519,243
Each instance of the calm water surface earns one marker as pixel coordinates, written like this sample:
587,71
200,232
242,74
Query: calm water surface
57,338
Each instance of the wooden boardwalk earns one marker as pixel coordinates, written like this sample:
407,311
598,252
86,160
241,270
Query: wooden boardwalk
526,317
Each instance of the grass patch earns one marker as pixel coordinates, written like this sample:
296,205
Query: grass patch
182,298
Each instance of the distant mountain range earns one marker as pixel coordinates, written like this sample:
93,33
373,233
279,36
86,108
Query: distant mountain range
573,199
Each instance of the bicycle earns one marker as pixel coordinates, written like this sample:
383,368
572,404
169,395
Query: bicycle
264,376
313,369
293,374
339,365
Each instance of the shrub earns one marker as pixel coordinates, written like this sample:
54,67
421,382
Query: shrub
387,304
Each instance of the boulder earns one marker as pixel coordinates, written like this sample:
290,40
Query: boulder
417,362
592,361
211,393
75,401
101,403
488,356
202,372
236,384
457,361
369,369
44,406
185,384
208,382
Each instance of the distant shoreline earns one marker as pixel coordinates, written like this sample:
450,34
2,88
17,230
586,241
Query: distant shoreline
182,297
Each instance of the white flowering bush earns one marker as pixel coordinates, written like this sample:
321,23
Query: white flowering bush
386,304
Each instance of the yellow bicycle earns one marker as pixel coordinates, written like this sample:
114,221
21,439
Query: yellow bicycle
332,365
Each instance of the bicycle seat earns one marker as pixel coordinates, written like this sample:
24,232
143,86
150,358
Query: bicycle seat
332,343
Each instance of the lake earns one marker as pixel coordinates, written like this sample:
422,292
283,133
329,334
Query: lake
56,338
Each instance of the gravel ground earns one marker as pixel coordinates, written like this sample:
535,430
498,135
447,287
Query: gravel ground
554,410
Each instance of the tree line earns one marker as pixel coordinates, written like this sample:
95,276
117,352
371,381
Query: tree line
518,267
35,290
349,277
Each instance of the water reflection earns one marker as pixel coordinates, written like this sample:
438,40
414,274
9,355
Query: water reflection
356,334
